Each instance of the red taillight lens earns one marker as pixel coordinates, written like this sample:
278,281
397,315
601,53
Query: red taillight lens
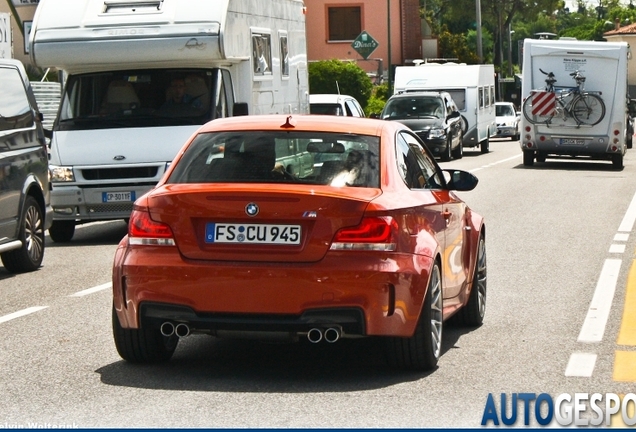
373,233
143,230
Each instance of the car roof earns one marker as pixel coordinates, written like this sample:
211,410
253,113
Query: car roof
302,122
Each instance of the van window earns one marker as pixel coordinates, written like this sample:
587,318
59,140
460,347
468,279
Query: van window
481,97
142,98
284,55
459,97
15,111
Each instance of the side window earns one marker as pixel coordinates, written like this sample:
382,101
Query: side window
492,94
262,54
15,110
481,97
419,168
487,96
284,54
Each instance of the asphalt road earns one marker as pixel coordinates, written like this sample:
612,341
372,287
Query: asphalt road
556,234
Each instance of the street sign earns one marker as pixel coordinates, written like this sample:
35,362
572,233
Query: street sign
364,44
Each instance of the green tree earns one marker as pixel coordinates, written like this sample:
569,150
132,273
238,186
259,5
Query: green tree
335,76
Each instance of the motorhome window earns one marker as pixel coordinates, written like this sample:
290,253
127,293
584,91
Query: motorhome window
284,56
262,53
141,98
487,96
15,111
481,97
459,97
492,94
345,23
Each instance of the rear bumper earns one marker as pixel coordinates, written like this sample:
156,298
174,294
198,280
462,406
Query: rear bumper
363,293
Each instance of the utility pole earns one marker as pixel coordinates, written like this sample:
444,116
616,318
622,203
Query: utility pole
480,53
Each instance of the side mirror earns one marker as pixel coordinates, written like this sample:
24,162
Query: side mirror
459,180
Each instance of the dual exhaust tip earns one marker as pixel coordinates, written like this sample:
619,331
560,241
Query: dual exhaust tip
181,330
331,334
315,335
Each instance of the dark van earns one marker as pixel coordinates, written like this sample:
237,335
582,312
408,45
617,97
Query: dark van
25,209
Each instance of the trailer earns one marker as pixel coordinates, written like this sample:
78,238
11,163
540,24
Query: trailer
575,100
141,76
472,87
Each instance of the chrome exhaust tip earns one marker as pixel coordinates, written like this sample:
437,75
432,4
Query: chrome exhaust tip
167,329
332,334
314,335
182,330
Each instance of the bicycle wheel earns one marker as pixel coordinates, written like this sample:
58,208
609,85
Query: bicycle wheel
536,114
588,109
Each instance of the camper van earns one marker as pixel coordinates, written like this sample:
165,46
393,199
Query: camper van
575,100
472,87
142,76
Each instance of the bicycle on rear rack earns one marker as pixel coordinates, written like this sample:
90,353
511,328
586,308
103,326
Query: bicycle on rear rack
542,106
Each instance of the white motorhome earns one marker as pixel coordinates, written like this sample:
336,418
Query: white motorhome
551,123
472,87
142,76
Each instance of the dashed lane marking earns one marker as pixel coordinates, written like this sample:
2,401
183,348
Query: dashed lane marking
91,290
21,313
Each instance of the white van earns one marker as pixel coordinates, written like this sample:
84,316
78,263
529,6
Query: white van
472,87
143,76
549,122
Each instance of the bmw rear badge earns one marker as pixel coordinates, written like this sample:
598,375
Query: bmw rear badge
251,209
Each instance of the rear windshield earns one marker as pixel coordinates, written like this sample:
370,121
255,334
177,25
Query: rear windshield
326,108
337,160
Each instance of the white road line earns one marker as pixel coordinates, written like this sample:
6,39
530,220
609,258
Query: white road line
21,313
91,290
630,216
617,248
496,163
581,365
621,237
598,312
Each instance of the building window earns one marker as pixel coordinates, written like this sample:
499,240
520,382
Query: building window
344,23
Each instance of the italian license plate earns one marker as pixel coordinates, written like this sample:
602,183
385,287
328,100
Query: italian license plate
572,141
252,233
108,197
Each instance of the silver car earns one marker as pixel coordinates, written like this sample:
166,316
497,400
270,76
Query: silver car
507,119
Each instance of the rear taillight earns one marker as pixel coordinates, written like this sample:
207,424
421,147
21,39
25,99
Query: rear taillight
373,233
142,230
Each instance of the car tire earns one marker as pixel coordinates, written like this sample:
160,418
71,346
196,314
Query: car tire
448,152
517,135
528,157
472,314
29,256
485,145
458,153
142,345
62,231
540,157
617,161
422,350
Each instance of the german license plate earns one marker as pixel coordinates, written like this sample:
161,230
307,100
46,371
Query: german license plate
252,233
108,197
572,141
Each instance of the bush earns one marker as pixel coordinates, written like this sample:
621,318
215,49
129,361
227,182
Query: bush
335,76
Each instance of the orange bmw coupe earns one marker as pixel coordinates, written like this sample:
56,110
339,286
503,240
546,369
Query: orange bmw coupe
283,227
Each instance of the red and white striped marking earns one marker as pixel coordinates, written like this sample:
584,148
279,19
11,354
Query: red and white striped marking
543,103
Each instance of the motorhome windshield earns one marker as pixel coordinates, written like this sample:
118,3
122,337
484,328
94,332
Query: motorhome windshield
141,98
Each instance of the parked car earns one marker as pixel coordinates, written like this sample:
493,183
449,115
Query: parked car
335,104
507,118
433,116
374,243
631,119
25,212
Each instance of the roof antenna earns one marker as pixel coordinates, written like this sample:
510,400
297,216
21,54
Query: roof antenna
338,87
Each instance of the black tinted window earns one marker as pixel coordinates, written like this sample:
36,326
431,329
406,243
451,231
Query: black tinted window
15,111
